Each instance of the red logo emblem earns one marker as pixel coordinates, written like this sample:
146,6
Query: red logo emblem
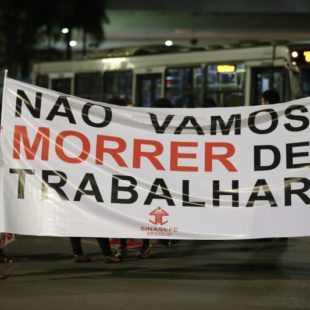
159,214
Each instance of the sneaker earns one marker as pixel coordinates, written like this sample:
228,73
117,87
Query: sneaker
145,253
81,259
122,253
111,259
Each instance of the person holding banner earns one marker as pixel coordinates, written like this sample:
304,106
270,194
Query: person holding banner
271,96
145,250
3,257
104,243
4,239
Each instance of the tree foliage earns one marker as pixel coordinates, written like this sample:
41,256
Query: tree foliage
24,23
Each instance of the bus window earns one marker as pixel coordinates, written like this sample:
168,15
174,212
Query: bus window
268,78
88,85
225,84
183,86
117,84
148,89
42,81
62,85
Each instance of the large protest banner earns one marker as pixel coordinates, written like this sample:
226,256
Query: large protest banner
74,167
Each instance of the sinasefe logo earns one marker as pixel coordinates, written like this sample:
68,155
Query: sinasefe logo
159,215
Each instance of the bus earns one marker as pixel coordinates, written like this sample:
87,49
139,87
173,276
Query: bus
228,76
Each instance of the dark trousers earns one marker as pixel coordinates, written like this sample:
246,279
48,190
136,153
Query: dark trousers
103,243
145,243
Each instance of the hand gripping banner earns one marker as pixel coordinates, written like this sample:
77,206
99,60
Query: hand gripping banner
75,167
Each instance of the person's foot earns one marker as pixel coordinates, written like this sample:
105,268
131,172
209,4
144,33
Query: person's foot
122,253
7,259
145,253
111,259
81,259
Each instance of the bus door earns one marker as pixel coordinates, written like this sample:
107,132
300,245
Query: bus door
148,89
269,78
183,86
225,84
118,84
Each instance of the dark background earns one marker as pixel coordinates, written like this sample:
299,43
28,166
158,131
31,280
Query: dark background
30,31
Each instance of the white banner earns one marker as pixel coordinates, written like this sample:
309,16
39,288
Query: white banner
74,167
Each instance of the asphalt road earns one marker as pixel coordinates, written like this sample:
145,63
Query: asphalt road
267,274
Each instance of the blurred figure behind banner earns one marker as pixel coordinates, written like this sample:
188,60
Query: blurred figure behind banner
208,103
270,96
118,101
162,103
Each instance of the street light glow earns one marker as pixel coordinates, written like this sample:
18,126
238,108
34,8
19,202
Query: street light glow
64,30
72,43
168,43
294,54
